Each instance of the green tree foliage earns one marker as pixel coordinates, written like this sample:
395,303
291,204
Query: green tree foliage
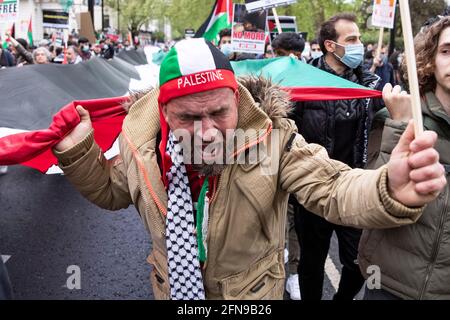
136,13
183,14
312,13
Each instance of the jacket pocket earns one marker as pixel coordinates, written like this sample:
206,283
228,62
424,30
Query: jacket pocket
263,280
159,283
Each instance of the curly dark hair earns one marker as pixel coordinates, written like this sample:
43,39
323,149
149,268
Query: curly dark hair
425,47
289,41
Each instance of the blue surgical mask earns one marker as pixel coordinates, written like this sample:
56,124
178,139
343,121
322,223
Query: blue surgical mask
226,49
354,55
316,54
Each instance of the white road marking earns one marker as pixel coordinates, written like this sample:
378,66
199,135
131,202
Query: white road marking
332,273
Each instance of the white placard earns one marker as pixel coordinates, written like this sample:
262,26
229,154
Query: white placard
383,13
248,33
267,4
9,10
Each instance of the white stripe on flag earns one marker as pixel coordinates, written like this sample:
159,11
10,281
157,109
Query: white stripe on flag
194,58
8,131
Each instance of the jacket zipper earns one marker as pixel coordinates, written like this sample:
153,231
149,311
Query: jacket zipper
435,247
213,198
218,187
149,186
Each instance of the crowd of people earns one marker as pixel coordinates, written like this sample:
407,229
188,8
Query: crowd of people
374,224
18,52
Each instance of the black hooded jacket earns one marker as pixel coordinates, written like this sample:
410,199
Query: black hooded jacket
341,126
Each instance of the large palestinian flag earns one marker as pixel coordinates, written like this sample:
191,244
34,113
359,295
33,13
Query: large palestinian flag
303,81
33,94
45,96
219,18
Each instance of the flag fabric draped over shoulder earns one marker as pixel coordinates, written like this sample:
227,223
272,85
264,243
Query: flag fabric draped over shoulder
45,96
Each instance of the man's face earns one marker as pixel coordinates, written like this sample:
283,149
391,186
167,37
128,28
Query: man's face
442,61
224,40
206,117
348,33
71,55
41,57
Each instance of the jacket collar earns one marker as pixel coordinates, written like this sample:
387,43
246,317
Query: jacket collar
434,108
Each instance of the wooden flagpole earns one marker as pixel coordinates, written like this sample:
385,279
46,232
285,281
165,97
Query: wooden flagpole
411,66
277,20
380,43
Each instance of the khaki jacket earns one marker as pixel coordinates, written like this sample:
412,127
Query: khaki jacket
247,212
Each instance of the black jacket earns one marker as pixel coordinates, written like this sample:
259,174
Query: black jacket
342,126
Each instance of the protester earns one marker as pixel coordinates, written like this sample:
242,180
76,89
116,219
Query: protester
127,46
42,56
316,52
225,42
72,55
224,37
108,49
341,127
84,49
20,51
97,50
59,55
381,66
237,250
414,260
395,60
6,59
288,43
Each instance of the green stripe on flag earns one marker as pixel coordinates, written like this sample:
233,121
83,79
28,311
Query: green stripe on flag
304,82
290,72
170,66
221,23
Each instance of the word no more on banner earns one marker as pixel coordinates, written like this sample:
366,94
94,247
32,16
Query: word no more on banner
248,32
255,5
9,10
383,13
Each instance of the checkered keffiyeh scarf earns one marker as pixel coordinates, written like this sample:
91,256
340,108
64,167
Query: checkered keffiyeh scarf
185,275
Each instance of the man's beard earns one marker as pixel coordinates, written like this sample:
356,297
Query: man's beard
216,165
209,170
